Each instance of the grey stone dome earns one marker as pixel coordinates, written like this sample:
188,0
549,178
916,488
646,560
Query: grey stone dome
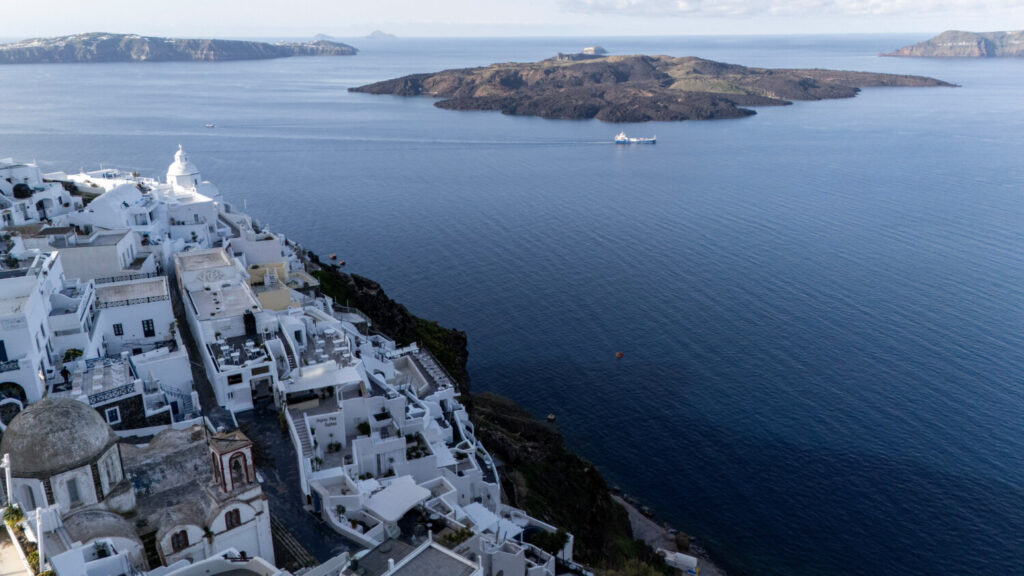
55,435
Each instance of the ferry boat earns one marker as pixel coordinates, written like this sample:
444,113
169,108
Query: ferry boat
211,125
621,138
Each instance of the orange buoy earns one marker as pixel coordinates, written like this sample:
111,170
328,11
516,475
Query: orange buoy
619,354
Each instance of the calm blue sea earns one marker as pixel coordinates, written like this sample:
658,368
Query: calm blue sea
821,307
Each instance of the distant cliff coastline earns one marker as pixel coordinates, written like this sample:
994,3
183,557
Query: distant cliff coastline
632,88
103,47
958,44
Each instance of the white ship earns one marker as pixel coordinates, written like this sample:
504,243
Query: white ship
621,138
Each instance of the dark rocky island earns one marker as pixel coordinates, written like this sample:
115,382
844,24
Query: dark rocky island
957,44
103,47
632,88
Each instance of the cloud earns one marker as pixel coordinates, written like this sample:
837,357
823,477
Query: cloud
726,8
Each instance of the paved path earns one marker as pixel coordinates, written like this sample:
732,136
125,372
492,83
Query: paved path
657,536
646,529
10,562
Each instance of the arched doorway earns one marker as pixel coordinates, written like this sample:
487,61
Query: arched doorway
28,498
13,390
42,206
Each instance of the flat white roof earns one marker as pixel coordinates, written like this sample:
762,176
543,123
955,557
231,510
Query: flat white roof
482,517
399,497
202,259
14,294
142,288
324,374
224,302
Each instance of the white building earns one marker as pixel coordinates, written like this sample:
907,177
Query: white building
99,254
26,198
229,326
27,355
136,314
183,211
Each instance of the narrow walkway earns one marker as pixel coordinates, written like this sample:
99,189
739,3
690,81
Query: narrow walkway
220,417
277,463
10,562
287,550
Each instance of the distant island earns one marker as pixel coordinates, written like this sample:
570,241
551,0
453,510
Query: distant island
103,47
958,44
379,35
632,88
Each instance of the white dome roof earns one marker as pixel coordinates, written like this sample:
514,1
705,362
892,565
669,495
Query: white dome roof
181,166
55,435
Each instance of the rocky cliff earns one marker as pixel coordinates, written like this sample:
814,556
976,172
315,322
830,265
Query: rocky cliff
632,88
103,47
958,44
538,473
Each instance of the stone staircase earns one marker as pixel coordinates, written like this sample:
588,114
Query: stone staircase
303,431
149,545
289,354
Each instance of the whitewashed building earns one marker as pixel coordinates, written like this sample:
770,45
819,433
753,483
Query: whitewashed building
229,326
27,355
25,197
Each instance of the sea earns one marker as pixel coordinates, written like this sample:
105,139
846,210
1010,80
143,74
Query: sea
820,308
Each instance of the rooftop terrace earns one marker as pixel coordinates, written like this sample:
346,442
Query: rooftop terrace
132,292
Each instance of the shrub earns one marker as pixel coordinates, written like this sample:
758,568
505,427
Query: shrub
456,537
550,542
13,515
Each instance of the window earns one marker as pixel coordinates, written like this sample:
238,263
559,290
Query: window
147,329
233,519
113,415
235,379
179,541
239,470
118,330
73,494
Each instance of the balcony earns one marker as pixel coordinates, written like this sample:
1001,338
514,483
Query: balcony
9,366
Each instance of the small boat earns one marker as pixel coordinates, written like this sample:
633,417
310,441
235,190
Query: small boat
334,256
552,417
208,125
621,138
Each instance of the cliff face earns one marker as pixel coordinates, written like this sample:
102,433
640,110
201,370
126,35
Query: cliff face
632,88
958,44
448,346
101,47
538,474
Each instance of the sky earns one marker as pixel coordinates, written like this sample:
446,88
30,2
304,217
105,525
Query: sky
348,19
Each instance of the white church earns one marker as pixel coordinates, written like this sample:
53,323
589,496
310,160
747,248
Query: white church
94,505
